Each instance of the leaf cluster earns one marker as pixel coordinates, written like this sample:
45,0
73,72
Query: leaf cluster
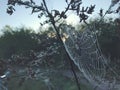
54,15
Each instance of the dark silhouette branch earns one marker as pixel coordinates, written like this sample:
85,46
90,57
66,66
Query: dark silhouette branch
59,37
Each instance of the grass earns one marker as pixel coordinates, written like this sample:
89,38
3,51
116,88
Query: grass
58,81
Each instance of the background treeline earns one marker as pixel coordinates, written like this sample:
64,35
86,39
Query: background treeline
22,40
21,46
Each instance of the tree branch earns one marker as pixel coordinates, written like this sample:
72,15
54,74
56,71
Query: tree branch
59,37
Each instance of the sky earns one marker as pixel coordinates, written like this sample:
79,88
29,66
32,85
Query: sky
23,17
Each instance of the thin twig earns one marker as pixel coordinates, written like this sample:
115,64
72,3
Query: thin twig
59,37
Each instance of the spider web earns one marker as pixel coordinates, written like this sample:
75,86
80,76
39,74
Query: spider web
2,87
84,50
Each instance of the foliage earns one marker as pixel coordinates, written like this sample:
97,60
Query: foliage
31,45
109,37
24,47
44,49
16,42
108,34
63,83
53,17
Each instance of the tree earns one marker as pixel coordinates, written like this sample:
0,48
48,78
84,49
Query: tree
108,36
16,41
43,51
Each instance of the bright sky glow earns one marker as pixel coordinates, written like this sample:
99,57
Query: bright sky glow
23,16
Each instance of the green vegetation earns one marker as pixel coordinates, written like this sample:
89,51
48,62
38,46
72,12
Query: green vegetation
16,41
109,37
59,83
20,46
